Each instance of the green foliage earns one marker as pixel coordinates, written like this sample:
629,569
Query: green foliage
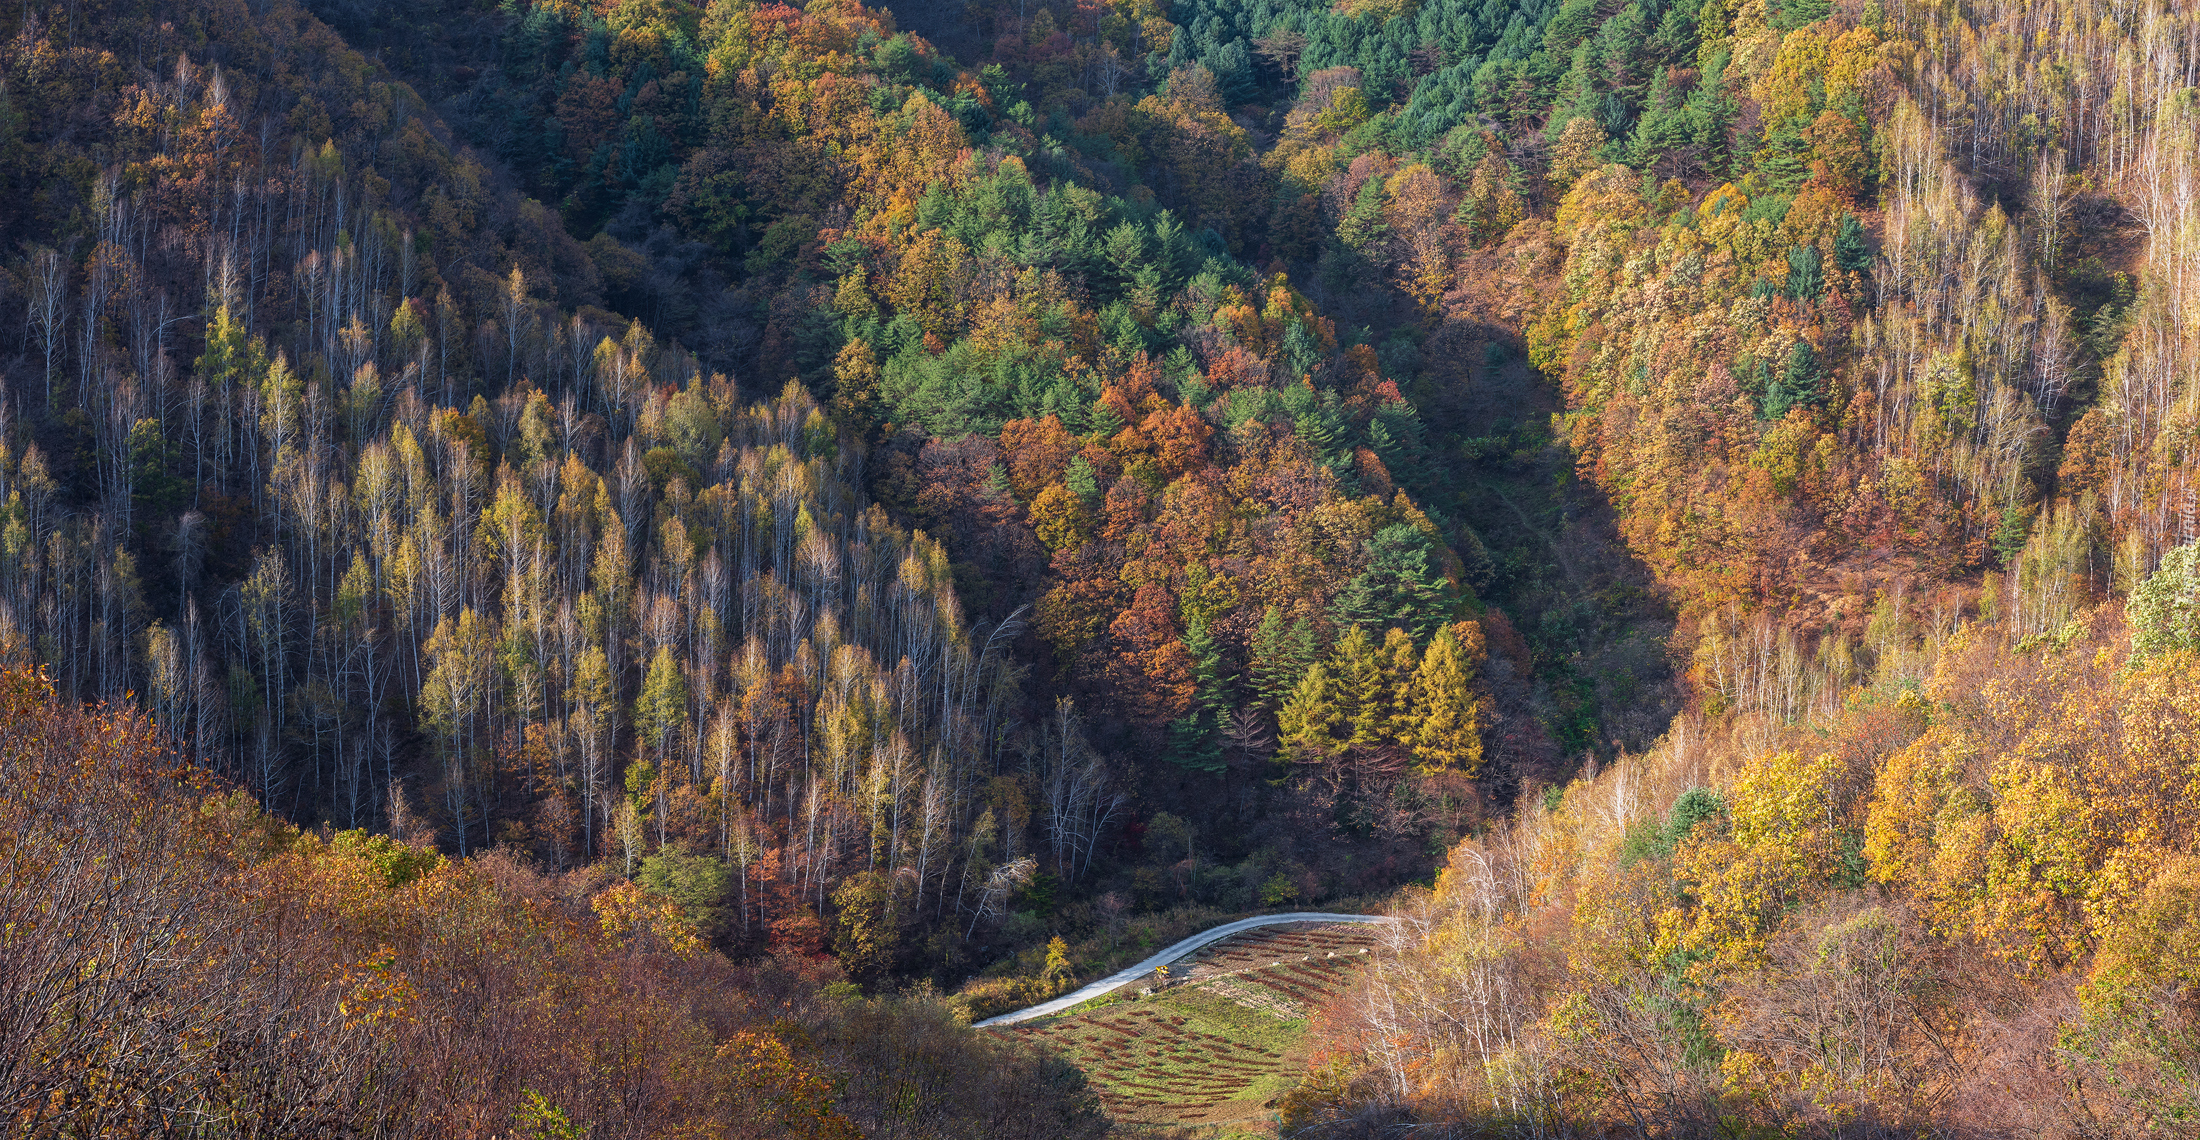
662,709
1851,251
396,864
1799,385
1193,741
1806,278
700,885
1402,586
1657,839
2164,610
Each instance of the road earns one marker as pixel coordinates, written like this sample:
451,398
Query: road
1124,977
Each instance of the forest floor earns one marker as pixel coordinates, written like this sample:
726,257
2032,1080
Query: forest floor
1218,1048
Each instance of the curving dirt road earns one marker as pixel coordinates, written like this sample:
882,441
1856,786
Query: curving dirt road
1124,977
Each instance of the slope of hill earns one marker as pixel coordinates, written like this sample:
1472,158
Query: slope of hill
934,514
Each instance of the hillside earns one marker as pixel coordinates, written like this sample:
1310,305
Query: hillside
1681,498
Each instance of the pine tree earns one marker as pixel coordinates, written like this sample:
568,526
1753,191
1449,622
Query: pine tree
1399,586
1445,733
1782,162
1272,672
1194,742
1212,695
1362,224
1399,438
1797,385
1851,252
1806,275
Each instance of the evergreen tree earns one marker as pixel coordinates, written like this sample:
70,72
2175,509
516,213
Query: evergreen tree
1851,252
1081,481
1362,225
1797,385
1710,114
1213,694
1398,437
1806,275
1272,672
1318,423
1195,739
1399,587
1783,162
1193,742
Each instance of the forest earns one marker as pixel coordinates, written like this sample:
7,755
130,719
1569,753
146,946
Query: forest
1691,505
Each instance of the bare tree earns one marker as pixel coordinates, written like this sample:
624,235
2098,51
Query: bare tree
48,307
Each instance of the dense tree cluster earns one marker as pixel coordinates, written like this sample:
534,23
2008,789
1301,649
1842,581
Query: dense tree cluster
176,954
736,477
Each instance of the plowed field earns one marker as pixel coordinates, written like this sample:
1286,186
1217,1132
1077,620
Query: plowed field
1221,1046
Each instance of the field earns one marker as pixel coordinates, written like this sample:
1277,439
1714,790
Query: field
1221,1042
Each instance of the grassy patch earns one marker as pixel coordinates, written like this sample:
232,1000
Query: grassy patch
1221,1048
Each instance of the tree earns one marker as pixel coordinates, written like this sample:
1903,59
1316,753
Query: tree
1491,207
1056,973
869,924
1445,728
1363,225
1806,278
663,707
594,723
1797,385
1851,252
1839,157
1312,725
2164,610
1399,586
1580,150
454,699
1059,517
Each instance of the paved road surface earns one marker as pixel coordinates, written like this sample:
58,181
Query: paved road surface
1121,978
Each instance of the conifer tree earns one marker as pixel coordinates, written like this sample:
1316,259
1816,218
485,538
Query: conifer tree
1445,732
1400,662
1312,725
1363,688
1399,587
662,709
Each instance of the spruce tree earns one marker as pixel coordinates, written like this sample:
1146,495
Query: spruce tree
1272,671
1797,385
1806,275
1193,742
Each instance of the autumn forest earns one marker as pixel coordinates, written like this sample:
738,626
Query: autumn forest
631,567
